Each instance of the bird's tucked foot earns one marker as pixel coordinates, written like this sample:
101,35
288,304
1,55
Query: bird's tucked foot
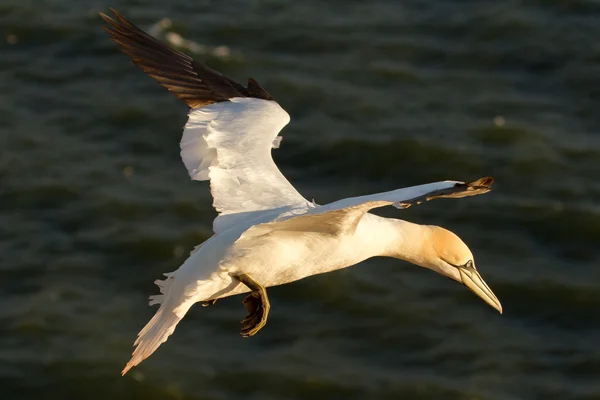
257,304
209,303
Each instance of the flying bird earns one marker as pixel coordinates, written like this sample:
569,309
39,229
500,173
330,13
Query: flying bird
266,233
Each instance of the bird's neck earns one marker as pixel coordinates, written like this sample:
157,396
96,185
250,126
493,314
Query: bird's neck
392,238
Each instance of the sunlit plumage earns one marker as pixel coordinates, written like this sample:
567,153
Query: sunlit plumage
266,233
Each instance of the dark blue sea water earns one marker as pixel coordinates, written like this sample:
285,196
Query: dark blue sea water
95,203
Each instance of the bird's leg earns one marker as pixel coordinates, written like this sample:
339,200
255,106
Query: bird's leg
209,303
256,303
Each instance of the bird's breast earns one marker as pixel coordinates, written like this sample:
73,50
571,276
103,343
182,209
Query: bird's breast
286,258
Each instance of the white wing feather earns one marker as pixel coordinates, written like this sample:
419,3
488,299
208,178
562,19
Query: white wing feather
230,144
343,215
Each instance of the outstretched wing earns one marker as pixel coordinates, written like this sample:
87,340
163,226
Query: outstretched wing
343,216
230,131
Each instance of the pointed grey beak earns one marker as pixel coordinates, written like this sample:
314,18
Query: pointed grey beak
471,279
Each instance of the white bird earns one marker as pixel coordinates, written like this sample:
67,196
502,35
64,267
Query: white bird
266,233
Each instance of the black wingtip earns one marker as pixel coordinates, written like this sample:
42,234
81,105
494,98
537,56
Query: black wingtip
485,182
192,82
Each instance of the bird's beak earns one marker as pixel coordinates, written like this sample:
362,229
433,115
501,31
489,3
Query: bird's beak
471,279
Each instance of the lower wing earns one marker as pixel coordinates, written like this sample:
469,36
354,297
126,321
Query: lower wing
343,215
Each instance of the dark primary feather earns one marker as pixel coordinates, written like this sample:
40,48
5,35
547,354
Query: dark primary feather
193,83
480,186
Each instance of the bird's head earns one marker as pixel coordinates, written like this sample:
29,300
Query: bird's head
446,254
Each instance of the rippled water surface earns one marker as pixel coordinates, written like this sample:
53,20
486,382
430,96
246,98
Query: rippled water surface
95,203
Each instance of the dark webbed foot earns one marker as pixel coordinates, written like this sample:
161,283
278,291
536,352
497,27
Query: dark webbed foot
209,303
258,310
257,304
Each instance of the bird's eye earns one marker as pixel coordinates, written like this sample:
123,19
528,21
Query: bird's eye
469,265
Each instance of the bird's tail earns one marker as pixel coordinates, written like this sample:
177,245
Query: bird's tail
155,333
162,325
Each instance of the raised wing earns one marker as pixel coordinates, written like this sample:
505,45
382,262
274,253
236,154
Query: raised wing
230,144
343,216
230,131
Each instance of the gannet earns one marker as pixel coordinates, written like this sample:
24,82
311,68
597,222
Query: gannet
266,233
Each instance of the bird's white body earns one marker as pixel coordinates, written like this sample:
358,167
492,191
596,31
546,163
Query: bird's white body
273,259
265,229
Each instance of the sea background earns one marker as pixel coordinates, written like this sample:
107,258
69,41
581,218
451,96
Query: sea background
95,203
